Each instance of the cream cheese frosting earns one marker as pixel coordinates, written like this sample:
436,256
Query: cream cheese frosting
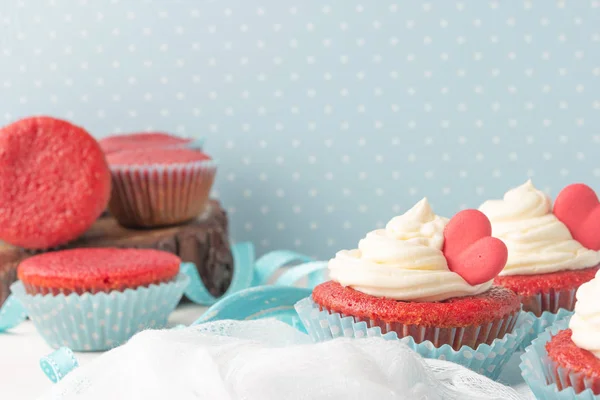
404,261
537,241
585,322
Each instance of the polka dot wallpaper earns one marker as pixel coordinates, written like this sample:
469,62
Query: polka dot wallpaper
327,118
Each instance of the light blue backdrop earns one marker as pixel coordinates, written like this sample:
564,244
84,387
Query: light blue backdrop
327,118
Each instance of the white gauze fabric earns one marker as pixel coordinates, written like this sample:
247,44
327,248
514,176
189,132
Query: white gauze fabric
265,360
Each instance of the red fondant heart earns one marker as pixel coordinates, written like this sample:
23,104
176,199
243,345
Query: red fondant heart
470,249
578,208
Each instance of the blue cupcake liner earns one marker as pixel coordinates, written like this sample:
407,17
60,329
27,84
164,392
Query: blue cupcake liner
540,324
537,373
487,360
101,321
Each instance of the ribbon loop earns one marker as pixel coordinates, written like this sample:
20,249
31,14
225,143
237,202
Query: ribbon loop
269,263
196,144
312,270
58,364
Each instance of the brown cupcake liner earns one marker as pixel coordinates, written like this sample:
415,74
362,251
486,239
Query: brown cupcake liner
33,290
456,337
551,302
153,196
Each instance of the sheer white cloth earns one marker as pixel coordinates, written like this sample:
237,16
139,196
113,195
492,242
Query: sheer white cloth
266,360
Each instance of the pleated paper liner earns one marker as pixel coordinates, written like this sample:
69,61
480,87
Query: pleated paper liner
153,196
542,322
550,302
540,373
100,321
486,359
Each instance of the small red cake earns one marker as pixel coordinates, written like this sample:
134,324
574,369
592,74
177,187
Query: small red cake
547,292
136,141
156,156
96,270
159,186
54,182
433,321
579,364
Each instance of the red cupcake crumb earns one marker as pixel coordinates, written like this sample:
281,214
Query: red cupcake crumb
557,289
135,141
156,156
54,182
96,270
465,311
565,354
460,321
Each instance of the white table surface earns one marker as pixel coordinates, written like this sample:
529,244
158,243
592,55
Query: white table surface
21,348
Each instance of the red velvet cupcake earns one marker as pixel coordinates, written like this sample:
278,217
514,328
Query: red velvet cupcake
550,254
95,299
96,270
142,140
574,353
427,278
571,365
458,321
158,187
54,182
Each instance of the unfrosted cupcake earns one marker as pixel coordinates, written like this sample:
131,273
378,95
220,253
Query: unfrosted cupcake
545,263
159,186
95,299
402,279
142,140
54,182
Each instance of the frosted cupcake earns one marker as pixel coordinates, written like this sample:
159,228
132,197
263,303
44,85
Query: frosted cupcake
428,282
545,263
564,362
403,279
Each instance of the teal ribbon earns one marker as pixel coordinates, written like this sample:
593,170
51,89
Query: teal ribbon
12,313
196,144
58,364
248,272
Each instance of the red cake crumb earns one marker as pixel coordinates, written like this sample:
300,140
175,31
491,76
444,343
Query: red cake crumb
96,270
136,141
528,285
547,292
153,156
494,304
54,182
563,353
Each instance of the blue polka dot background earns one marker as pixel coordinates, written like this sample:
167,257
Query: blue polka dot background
327,117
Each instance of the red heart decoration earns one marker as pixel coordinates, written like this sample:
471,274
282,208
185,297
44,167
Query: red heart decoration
578,208
470,249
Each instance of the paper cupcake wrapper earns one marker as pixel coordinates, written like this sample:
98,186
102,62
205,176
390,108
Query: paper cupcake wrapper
551,302
97,322
149,196
541,376
540,324
486,359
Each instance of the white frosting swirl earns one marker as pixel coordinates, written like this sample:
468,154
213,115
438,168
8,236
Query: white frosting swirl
537,242
404,261
585,323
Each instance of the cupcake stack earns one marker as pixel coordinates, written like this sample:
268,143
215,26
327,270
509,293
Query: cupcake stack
86,287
